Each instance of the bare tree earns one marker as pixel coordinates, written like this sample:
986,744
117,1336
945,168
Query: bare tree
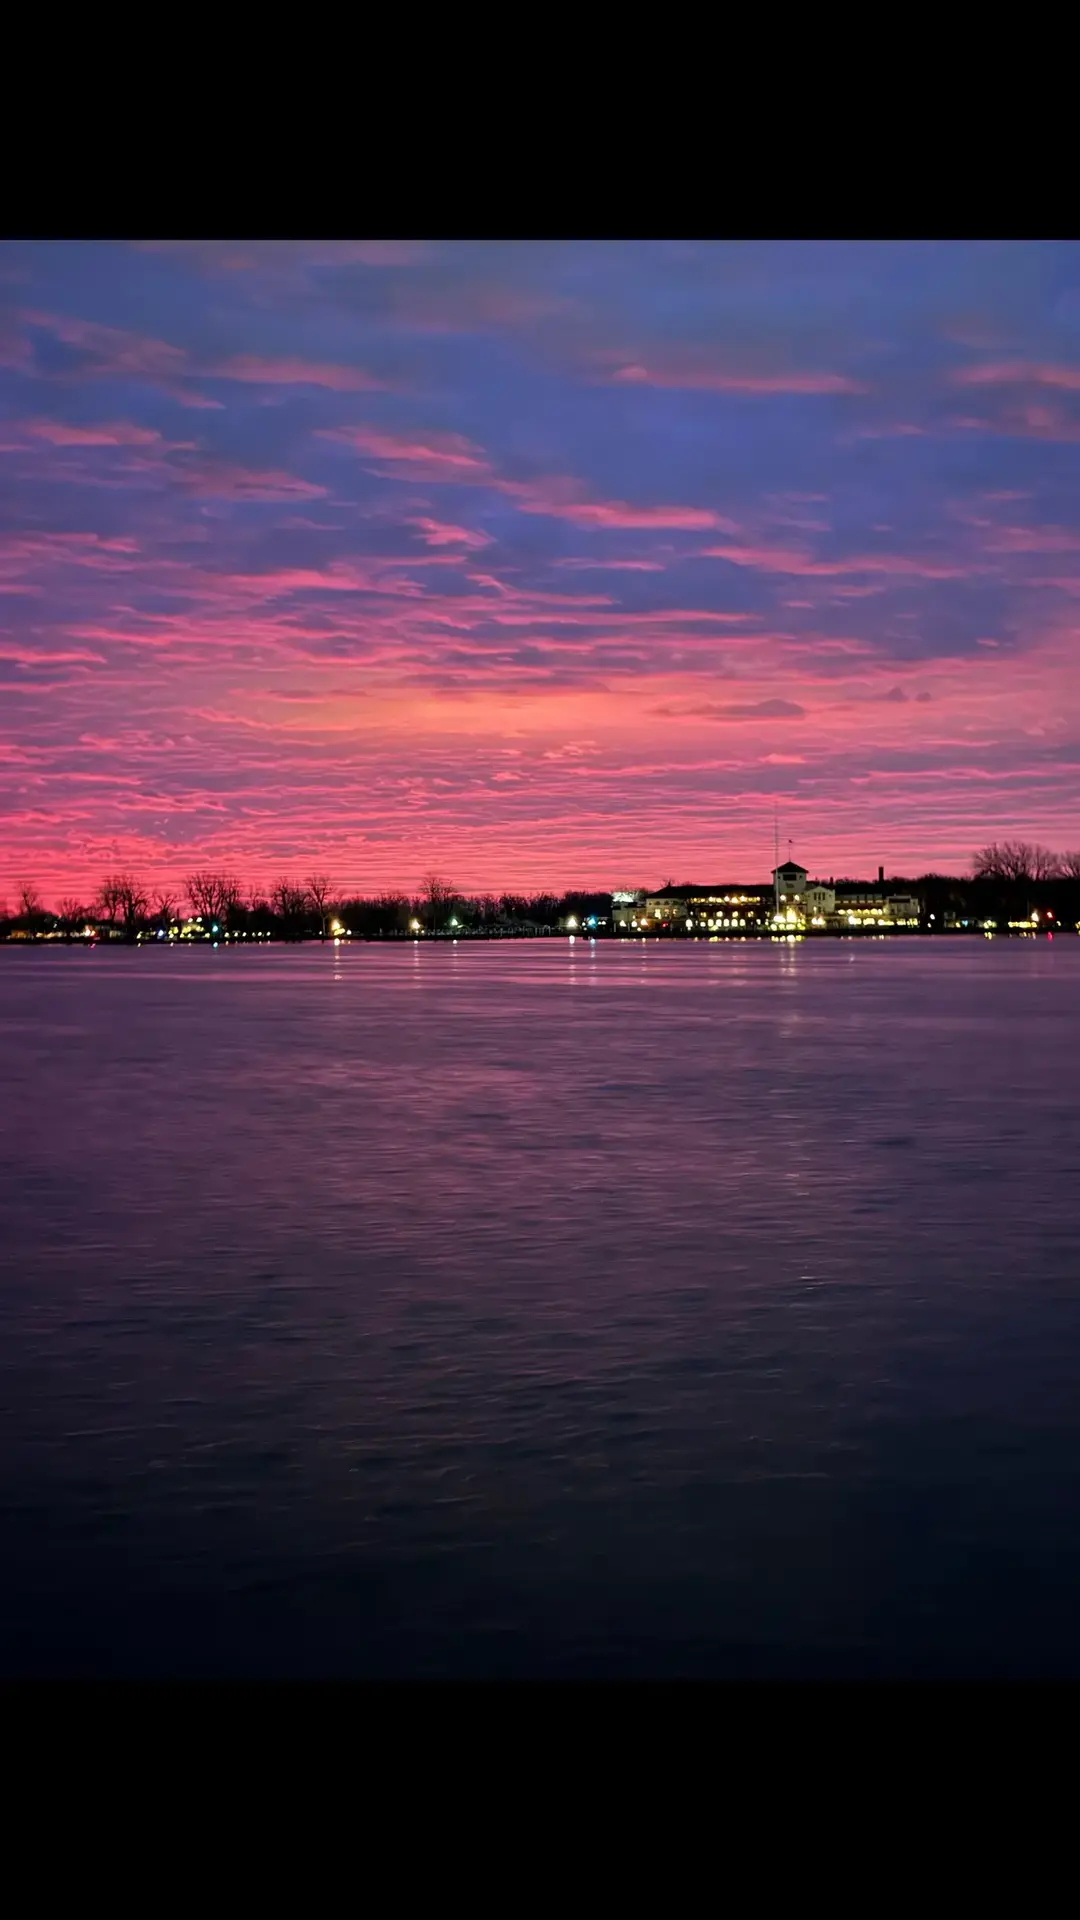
290,903
438,896
123,899
230,897
289,898
202,894
1070,865
213,896
166,906
1044,864
486,910
1015,860
30,905
320,888
71,914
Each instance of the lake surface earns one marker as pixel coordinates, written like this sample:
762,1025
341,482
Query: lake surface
541,1309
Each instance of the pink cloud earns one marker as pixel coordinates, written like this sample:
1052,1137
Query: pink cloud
114,352
746,710
701,377
560,499
32,552
28,656
120,434
240,483
438,534
1011,373
442,456
617,513
449,456
789,560
579,564
1033,540
296,373
1033,421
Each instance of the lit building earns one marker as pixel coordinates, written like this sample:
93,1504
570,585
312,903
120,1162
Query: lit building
859,906
792,904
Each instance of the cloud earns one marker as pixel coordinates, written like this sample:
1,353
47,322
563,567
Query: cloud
295,372
790,560
373,613
437,533
118,353
701,377
1017,373
582,563
451,457
438,456
224,482
121,433
1032,421
616,514
753,710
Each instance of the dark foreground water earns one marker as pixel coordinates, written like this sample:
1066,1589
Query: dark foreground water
541,1310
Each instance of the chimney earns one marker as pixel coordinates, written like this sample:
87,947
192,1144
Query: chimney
881,876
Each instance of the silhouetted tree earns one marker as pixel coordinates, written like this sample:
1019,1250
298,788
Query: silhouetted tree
290,903
319,888
260,914
213,897
392,910
1015,860
71,915
1070,866
437,897
543,910
122,901
166,906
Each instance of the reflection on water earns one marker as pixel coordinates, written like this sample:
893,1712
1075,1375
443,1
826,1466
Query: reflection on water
543,1309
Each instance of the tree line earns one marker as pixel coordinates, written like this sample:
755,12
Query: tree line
213,903
1019,860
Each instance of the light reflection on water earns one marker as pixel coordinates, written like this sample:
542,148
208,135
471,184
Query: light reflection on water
528,1308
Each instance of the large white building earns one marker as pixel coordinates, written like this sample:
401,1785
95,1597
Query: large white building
792,904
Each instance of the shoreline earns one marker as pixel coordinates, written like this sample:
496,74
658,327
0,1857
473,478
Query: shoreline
249,943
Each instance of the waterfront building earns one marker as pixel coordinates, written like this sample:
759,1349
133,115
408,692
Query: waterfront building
794,903
863,906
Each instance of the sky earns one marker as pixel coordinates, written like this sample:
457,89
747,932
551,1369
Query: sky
535,564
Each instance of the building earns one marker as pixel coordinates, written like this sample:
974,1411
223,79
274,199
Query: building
789,882
869,906
694,909
792,904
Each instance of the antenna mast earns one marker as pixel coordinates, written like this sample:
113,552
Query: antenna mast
776,862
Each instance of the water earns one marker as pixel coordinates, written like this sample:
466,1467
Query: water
525,1309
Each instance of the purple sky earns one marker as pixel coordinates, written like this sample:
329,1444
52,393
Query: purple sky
535,563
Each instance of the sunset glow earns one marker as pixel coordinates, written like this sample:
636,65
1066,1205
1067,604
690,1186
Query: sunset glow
540,564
